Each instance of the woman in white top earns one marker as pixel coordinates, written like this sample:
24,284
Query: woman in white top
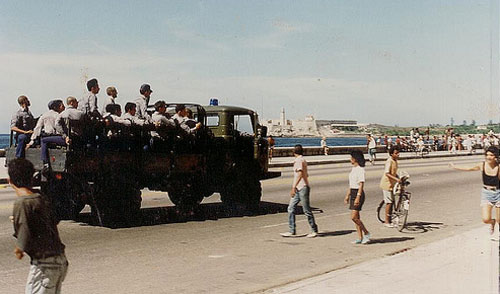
356,195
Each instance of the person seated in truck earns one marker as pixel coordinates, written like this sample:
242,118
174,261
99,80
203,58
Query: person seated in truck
130,114
161,118
190,121
46,130
71,113
114,112
22,123
180,118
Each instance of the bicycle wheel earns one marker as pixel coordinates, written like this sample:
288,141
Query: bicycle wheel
381,211
402,213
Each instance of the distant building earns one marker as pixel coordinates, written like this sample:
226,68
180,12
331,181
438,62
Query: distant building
308,126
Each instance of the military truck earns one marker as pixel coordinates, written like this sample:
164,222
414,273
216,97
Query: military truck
107,165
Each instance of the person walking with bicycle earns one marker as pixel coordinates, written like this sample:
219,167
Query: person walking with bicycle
387,183
490,194
356,195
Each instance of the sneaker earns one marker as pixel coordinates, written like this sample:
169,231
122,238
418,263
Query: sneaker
366,239
356,241
287,234
312,235
388,225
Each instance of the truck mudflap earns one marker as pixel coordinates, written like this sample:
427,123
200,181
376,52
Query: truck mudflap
270,175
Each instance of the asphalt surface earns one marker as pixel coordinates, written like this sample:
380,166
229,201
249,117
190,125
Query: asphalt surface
229,252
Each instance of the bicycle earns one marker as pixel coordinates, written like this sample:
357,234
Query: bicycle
400,210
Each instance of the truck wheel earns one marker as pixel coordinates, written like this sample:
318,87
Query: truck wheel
186,197
253,194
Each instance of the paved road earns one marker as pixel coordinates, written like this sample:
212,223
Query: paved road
219,252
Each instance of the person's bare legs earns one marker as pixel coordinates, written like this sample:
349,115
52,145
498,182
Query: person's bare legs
360,227
388,210
486,215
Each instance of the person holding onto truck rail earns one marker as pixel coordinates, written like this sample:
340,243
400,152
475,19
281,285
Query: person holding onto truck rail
22,123
47,130
35,230
142,102
300,193
88,103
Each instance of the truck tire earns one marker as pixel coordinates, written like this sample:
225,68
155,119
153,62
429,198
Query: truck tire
187,197
244,190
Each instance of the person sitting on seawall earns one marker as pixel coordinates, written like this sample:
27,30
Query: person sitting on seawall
180,118
22,123
47,130
130,114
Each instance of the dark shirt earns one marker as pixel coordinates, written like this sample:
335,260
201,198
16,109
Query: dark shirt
23,119
35,227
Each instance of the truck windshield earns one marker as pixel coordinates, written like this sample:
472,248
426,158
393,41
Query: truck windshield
243,124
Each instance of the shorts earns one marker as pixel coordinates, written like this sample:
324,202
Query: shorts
352,197
489,197
388,196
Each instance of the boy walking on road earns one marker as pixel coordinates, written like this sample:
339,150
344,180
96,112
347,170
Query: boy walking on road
300,192
387,182
35,229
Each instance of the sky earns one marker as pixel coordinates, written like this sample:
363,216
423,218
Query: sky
401,62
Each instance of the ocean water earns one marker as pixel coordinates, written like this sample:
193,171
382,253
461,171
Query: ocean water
4,141
290,142
280,142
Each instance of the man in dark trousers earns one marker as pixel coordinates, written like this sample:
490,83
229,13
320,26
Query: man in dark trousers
35,228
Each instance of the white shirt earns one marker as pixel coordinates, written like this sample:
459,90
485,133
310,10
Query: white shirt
323,143
47,122
356,176
372,144
70,113
142,106
88,103
134,119
162,120
299,164
109,100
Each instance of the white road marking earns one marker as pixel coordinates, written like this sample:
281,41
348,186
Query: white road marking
304,220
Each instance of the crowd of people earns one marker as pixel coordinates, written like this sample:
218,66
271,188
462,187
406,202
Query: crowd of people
51,126
449,141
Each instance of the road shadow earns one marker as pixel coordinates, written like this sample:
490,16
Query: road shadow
170,214
390,240
335,233
420,227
